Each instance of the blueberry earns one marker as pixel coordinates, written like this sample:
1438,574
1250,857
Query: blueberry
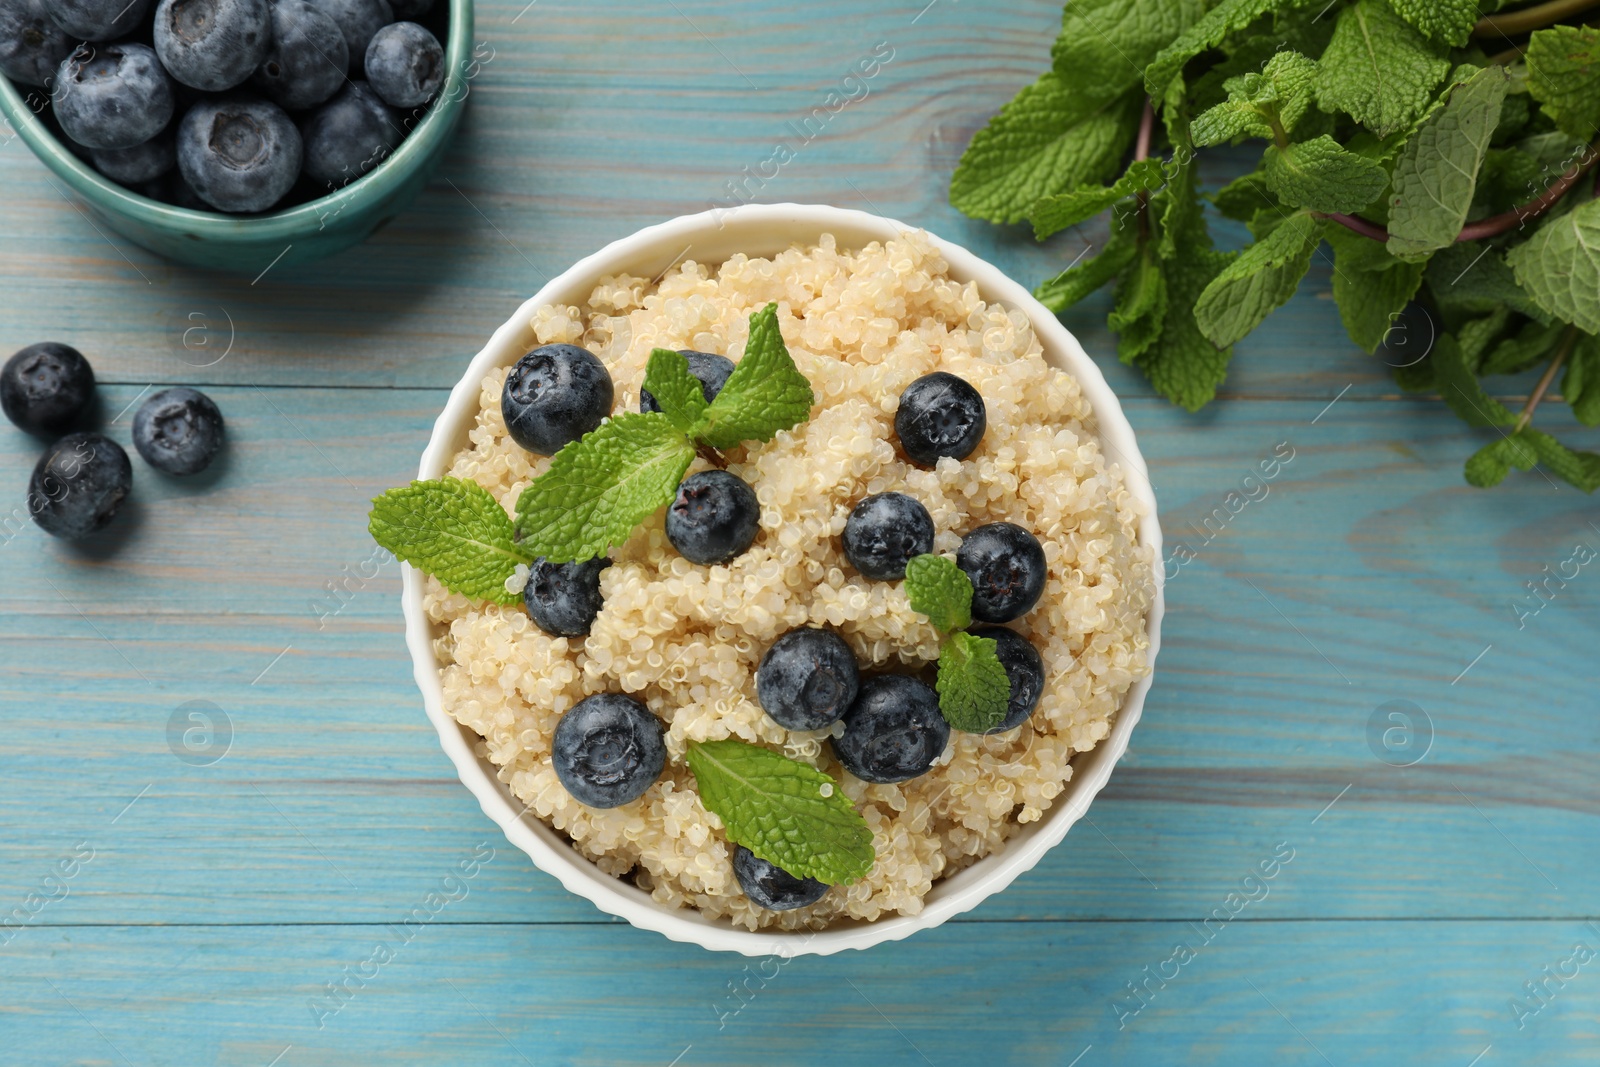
405,64
307,59
98,20
564,598
348,136
358,20
32,46
712,371
410,9
212,44
884,532
142,163
112,95
1007,569
608,750
78,485
939,415
46,387
554,395
893,732
714,518
239,153
1023,667
770,886
178,431
807,679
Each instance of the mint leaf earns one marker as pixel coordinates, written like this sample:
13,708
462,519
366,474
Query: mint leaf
1471,278
1489,466
1320,175
1564,76
677,391
786,812
1370,291
1378,68
1089,274
1535,343
1581,469
1104,45
1476,336
1437,171
1267,104
454,530
765,393
1559,266
973,686
1258,282
1581,384
1241,198
1226,18
600,487
1447,21
1140,313
1055,213
940,590
1047,139
1461,389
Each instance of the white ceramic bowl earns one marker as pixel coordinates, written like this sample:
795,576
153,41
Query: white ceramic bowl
711,237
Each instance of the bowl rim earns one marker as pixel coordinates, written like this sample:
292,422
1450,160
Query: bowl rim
384,179
951,896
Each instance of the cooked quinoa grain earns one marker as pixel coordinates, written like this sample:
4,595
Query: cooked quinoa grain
686,639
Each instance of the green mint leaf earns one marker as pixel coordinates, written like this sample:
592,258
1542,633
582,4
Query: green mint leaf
454,530
1320,175
1534,344
765,393
786,812
1559,266
1460,388
940,590
1468,278
1223,20
1140,313
1047,139
974,688
1241,198
1437,171
1564,76
1581,383
1055,213
1581,469
1370,287
600,487
1258,282
1260,104
678,392
1090,273
1478,335
1447,21
1378,68
1104,45
1489,465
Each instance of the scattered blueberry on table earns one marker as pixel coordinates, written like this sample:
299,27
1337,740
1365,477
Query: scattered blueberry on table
564,598
607,750
939,415
893,732
178,431
883,532
46,387
714,518
553,395
78,485
770,886
807,679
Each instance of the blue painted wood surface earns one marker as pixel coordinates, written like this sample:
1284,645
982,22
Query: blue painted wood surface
210,906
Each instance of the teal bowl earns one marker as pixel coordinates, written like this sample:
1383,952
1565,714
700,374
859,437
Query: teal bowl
250,244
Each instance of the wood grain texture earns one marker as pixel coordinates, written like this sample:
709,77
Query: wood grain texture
221,899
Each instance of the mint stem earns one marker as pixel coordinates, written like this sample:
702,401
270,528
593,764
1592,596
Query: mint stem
712,456
1569,338
1531,18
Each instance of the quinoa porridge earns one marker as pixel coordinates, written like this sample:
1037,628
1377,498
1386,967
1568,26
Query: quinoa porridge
686,639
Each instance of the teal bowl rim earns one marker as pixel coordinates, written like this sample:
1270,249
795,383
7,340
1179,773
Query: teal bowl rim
384,179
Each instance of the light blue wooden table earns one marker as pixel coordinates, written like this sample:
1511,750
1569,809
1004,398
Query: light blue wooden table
210,905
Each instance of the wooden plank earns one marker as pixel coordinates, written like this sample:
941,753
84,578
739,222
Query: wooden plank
1258,992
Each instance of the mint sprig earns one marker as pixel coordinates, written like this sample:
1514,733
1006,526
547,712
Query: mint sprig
765,393
786,812
453,529
974,689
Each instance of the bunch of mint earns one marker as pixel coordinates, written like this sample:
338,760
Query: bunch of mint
974,689
599,488
1438,150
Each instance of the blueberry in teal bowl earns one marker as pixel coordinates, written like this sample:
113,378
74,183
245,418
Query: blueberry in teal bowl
99,103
